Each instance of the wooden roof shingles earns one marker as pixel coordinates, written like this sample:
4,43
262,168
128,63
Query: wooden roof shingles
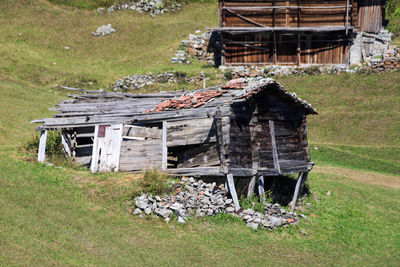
111,108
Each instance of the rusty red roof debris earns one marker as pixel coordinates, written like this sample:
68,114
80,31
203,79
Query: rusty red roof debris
188,101
235,84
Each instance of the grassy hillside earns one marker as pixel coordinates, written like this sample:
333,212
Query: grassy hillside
52,216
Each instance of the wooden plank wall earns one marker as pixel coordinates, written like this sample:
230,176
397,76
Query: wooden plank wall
141,148
192,143
315,48
250,140
370,15
287,17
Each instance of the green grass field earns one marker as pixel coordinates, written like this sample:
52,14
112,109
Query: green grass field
51,216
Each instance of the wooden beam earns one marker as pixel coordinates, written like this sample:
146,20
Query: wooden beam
274,147
273,13
42,146
347,16
303,181
275,60
221,142
255,8
164,164
66,143
298,50
252,186
116,143
240,30
232,190
261,188
292,204
244,18
287,13
95,152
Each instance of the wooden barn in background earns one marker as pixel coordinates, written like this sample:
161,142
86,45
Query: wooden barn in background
294,32
249,128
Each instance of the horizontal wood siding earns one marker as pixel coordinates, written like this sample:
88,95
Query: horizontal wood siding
205,155
190,132
285,15
137,155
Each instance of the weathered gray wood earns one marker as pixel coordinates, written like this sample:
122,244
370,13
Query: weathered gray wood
164,146
252,186
80,90
95,152
66,144
292,204
261,188
116,142
198,171
232,190
274,149
42,146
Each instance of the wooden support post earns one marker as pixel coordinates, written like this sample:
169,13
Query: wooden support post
275,50
298,13
66,143
95,152
252,186
273,13
274,148
347,17
221,142
298,51
232,190
303,181
164,163
261,188
292,204
287,13
42,146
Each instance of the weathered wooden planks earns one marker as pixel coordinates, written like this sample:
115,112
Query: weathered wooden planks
232,190
42,146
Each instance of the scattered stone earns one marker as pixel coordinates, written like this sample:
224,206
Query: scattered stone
104,30
252,225
147,211
137,211
136,82
153,7
303,216
67,48
195,198
181,220
328,193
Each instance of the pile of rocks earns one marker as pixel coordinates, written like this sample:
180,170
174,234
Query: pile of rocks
234,72
135,82
154,7
197,47
197,198
389,61
104,30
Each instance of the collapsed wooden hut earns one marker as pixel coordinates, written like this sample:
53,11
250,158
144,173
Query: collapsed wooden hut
249,128
294,32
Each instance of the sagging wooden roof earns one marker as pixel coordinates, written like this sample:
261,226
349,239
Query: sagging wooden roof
110,107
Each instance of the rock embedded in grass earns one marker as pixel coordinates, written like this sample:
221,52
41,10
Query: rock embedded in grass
104,30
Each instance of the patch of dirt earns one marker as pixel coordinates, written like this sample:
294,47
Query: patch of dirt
362,176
